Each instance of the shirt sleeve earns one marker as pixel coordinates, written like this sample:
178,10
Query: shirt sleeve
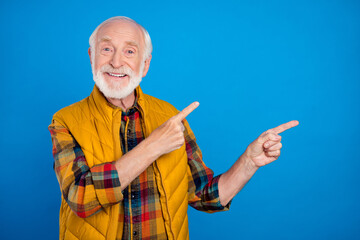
203,186
86,190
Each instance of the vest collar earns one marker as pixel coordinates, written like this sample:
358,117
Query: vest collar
101,105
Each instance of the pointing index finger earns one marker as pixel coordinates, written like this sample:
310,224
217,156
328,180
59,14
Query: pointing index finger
283,127
186,111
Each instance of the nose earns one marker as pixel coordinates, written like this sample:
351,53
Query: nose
117,59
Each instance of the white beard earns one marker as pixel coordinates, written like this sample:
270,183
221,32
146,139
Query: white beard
114,89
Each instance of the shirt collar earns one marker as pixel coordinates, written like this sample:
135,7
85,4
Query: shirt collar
102,105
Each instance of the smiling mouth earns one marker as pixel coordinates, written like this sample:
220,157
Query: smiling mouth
119,75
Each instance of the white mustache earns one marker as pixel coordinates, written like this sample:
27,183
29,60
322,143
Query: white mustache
121,70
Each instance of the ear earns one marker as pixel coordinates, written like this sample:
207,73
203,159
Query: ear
89,52
146,66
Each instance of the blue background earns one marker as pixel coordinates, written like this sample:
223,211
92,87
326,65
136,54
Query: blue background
251,64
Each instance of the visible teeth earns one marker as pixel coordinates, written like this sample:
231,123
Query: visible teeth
117,75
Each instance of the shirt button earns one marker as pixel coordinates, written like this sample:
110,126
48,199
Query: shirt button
135,233
128,131
132,196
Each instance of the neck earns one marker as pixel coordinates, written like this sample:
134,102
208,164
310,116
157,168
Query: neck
123,103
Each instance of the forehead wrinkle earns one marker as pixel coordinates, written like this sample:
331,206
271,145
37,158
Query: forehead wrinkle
132,43
137,41
120,29
105,38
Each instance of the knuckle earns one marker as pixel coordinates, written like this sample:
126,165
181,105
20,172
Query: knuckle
167,123
269,131
278,146
177,128
179,143
272,135
275,137
268,144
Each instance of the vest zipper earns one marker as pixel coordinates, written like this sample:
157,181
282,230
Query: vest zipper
166,202
129,187
161,179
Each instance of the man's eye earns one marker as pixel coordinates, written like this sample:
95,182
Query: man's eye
130,51
107,49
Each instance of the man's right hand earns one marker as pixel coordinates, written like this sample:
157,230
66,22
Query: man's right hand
166,138
170,135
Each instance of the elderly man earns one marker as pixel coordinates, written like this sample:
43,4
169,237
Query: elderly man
127,163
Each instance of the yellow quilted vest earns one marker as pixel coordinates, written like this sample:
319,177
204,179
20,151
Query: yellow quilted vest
95,125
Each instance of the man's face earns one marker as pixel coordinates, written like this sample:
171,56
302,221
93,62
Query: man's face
118,65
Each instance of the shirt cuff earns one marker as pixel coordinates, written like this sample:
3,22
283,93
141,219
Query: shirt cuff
106,183
212,199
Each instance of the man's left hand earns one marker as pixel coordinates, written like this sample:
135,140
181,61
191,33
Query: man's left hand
266,148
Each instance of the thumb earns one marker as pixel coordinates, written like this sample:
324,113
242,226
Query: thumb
269,136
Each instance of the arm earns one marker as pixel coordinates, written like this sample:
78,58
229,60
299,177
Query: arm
264,150
86,190
203,187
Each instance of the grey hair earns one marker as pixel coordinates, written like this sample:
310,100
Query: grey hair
148,44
